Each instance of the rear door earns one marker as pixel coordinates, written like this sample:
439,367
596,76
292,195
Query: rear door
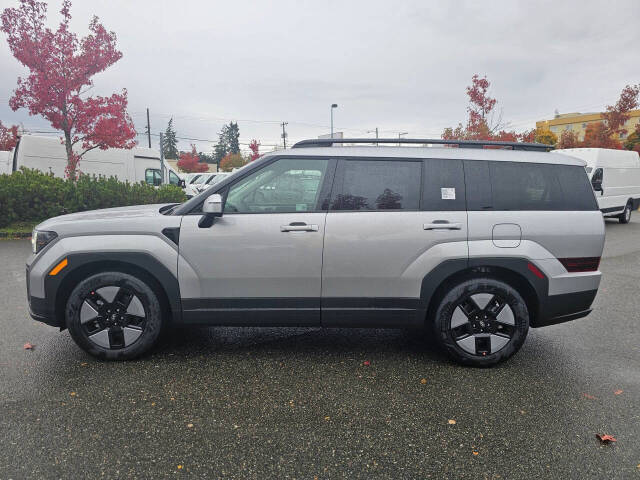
390,222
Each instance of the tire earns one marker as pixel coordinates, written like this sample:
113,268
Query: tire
114,316
625,217
481,322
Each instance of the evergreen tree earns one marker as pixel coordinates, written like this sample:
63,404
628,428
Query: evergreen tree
220,151
170,142
228,142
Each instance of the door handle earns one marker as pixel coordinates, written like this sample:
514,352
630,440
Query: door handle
298,227
442,225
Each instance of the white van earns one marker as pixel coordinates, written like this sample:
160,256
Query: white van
615,177
48,154
5,161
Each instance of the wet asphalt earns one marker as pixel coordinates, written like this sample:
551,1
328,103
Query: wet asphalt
301,403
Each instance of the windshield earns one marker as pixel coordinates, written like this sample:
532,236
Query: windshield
201,179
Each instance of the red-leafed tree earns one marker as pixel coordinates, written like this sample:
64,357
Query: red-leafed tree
189,162
482,123
61,67
568,139
598,135
254,146
8,137
616,115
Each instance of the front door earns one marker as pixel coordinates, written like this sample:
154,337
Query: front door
261,262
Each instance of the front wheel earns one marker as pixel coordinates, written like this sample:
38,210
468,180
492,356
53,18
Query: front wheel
114,316
481,322
625,217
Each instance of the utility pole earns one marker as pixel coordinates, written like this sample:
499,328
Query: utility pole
400,136
371,131
161,152
284,133
148,128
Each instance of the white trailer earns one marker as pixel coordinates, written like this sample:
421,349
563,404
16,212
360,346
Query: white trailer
5,161
48,154
615,177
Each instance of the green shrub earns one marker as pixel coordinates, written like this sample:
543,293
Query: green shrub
30,195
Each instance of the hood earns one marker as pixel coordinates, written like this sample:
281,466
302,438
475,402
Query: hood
129,215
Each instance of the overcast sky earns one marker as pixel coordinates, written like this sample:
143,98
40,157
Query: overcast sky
401,66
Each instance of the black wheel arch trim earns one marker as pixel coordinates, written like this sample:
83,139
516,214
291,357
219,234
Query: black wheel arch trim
544,309
58,288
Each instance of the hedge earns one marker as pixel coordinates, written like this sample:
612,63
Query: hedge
30,195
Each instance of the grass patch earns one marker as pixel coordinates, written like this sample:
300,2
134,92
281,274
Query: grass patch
18,229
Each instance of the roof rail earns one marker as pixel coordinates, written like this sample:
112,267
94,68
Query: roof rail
328,142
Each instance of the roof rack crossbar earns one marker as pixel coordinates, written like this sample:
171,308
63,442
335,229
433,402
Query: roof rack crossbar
328,142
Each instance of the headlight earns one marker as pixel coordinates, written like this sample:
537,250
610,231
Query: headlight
40,239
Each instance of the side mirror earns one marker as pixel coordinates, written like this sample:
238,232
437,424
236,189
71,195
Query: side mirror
597,186
212,208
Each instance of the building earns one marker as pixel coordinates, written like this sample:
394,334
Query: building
578,122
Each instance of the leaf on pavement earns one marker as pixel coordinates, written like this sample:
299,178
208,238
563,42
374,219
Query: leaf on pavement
451,421
423,381
618,392
604,438
29,346
366,363
590,397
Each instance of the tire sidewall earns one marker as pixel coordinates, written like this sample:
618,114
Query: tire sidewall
145,294
442,320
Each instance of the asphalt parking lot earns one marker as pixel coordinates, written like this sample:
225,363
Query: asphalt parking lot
302,403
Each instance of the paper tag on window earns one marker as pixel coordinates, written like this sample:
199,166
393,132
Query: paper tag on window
448,193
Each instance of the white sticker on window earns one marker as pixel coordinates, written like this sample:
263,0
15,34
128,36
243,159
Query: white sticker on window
448,193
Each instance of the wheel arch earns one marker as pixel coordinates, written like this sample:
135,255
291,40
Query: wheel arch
512,271
143,266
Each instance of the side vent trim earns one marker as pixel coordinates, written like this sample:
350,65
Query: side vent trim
173,234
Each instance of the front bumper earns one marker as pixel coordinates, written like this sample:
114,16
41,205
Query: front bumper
39,308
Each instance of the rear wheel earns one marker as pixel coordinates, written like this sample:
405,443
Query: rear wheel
625,217
481,322
114,316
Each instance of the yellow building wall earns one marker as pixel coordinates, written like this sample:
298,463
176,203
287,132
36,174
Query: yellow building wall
577,122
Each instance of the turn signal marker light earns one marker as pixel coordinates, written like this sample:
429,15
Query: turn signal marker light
58,267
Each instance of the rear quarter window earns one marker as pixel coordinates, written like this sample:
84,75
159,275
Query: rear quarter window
527,186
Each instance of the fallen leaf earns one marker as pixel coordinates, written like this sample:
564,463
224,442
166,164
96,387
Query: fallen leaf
452,421
189,425
28,346
423,381
84,364
366,363
523,412
604,438
327,418
618,392
153,404
475,453
179,467
73,394
590,397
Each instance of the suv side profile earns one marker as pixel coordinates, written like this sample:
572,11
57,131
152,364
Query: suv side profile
477,244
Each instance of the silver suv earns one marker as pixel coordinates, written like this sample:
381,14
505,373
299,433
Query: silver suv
477,244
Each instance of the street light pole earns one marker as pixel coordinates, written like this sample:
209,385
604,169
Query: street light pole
333,105
400,136
371,131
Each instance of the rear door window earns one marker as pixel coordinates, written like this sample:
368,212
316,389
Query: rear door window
374,184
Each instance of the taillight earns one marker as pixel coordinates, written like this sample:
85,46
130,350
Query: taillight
581,264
